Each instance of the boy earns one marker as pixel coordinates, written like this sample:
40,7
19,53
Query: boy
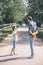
14,33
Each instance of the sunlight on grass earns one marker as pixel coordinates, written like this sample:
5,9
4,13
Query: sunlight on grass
4,33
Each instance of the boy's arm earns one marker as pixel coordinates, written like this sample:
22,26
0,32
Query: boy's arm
15,34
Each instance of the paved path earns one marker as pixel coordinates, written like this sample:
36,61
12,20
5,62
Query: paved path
22,51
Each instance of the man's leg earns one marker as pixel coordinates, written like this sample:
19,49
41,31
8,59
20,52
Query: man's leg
31,46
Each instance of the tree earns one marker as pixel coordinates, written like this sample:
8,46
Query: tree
36,9
11,10
1,16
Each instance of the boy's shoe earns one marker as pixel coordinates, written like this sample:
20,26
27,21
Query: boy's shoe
11,54
14,53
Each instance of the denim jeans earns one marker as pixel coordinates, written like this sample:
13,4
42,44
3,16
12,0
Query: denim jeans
31,45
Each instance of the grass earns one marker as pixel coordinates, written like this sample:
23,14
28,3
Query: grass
4,33
40,35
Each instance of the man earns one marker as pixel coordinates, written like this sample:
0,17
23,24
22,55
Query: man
33,30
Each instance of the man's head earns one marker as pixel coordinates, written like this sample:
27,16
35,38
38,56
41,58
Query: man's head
29,18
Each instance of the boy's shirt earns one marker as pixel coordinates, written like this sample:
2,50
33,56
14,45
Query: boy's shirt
14,37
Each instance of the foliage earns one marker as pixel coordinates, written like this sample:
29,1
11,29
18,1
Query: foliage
35,9
11,11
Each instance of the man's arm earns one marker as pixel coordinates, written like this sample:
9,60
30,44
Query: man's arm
30,32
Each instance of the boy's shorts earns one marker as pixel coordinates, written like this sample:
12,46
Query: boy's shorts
14,44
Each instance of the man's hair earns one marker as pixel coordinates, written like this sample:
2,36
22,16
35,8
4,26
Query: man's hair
30,18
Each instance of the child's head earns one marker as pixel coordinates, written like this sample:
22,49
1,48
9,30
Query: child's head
13,28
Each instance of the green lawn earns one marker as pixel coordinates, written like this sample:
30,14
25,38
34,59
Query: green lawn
4,33
40,33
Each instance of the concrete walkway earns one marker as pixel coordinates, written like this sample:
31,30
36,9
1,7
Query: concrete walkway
22,51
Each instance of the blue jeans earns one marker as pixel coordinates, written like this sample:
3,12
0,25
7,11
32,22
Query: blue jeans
31,45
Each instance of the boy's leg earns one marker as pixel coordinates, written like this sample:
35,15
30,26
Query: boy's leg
13,49
14,45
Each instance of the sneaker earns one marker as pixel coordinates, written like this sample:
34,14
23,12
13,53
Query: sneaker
14,53
11,54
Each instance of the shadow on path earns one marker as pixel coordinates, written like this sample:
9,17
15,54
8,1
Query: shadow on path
17,58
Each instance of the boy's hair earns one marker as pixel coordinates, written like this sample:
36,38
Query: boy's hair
30,18
13,28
